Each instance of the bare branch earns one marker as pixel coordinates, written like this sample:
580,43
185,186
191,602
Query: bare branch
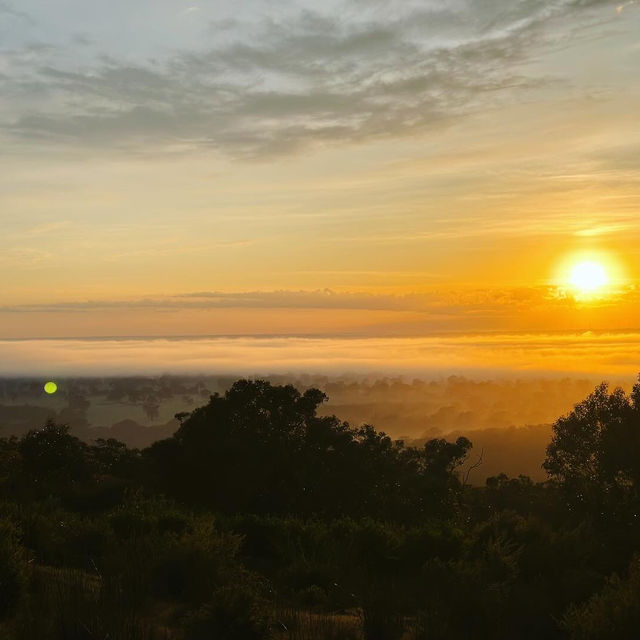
475,465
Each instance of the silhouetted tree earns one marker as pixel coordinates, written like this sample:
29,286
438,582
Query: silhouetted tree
595,453
51,455
151,408
112,457
263,448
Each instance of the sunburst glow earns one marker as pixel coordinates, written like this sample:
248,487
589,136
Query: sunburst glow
588,277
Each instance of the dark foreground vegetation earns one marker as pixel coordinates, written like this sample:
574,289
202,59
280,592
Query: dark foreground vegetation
260,519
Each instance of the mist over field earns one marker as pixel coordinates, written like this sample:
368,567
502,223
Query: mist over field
502,390
508,419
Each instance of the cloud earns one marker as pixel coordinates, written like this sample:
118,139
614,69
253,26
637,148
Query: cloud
325,313
48,227
319,299
27,257
621,158
621,7
302,77
8,10
594,354
459,302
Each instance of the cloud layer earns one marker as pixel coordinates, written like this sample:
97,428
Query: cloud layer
494,354
325,313
275,78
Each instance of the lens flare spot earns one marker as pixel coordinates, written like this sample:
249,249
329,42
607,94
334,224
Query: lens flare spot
50,388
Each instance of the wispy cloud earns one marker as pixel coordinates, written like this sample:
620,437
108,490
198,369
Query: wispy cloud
621,7
48,227
301,77
460,302
27,257
8,9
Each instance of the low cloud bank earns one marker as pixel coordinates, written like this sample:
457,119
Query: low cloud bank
595,354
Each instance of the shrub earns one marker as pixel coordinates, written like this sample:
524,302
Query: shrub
614,613
12,569
235,612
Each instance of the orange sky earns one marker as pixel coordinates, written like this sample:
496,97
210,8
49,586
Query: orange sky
386,171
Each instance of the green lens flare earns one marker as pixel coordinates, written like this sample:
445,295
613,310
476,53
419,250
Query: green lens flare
50,388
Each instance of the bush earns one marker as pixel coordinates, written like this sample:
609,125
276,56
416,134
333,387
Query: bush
614,613
235,612
67,604
191,565
166,552
12,569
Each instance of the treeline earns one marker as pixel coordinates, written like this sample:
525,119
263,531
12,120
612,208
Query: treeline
262,518
403,408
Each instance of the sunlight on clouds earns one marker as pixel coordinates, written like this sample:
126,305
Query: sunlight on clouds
605,229
465,154
621,7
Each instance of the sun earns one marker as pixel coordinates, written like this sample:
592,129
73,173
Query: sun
588,277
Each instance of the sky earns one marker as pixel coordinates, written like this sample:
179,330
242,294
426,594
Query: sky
346,168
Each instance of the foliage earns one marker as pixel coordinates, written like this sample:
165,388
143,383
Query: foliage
13,574
234,612
264,449
261,519
595,451
613,613
51,456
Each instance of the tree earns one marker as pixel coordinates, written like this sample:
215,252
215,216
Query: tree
595,451
112,457
262,448
242,450
51,455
